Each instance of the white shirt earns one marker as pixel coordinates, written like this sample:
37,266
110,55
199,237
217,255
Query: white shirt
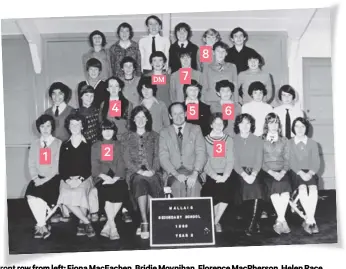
177,128
259,111
161,44
62,107
294,111
304,140
189,101
49,140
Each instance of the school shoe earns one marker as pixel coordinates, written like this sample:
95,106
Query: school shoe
307,227
314,228
90,232
285,228
106,230
126,217
145,230
55,218
38,232
218,228
45,232
103,218
65,218
253,229
278,227
81,230
114,235
94,217
138,231
264,215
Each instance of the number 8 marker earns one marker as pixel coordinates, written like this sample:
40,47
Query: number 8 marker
107,152
205,54
219,148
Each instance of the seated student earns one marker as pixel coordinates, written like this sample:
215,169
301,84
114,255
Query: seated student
158,61
288,111
158,109
114,92
216,71
248,158
209,38
218,169
238,54
254,73
94,67
43,189
90,113
183,33
129,68
75,172
225,89
60,94
152,43
176,88
124,47
257,108
97,41
275,170
109,178
192,93
305,164
141,155
182,153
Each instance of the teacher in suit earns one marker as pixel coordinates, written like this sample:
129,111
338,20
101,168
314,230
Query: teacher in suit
182,153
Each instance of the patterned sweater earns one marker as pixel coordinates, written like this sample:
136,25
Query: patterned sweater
92,117
276,155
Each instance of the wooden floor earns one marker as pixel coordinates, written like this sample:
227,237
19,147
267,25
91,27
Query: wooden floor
63,238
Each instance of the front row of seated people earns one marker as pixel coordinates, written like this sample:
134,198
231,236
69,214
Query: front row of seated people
253,169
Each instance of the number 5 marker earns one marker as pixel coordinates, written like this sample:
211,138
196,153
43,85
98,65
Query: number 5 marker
192,112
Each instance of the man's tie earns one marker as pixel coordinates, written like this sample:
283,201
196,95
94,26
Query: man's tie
45,144
153,47
57,111
288,124
182,45
180,135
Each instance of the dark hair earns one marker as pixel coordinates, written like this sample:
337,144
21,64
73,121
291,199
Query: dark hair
302,120
183,25
224,84
239,119
108,125
62,87
124,102
146,82
257,86
193,83
93,62
271,117
128,59
252,54
216,115
184,53
125,25
86,89
239,29
43,119
155,18
158,53
174,104
77,117
220,44
97,32
134,112
288,89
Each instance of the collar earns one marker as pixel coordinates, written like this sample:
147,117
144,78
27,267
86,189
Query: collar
153,98
157,35
48,141
185,43
97,83
304,140
272,137
82,138
188,101
182,128
62,106
92,50
110,98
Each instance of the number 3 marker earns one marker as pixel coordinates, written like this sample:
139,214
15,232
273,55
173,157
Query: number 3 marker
219,149
45,156
107,152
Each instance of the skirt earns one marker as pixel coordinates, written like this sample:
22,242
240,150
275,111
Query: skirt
75,196
114,193
272,186
141,185
220,192
48,192
297,180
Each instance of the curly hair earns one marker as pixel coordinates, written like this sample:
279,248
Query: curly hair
43,119
239,119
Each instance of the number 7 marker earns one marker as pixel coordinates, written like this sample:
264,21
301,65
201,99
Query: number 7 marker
185,75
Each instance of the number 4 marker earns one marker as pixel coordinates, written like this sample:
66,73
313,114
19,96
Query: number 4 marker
114,108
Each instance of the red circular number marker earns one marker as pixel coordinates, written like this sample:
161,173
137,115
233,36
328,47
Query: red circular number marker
114,108
185,75
45,156
219,149
192,112
205,54
107,152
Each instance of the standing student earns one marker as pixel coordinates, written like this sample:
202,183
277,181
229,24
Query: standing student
114,90
209,38
238,54
288,111
248,159
305,163
216,71
176,88
275,170
129,68
192,93
158,109
124,47
141,155
60,94
225,89
257,108
158,61
43,190
94,68
152,43
218,169
183,33
97,41
254,73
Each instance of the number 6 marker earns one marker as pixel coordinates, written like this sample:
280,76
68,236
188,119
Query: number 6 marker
205,54
107,152
228,111
114,108
192,112
219,149
45,156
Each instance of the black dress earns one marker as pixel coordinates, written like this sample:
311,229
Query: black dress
203,119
